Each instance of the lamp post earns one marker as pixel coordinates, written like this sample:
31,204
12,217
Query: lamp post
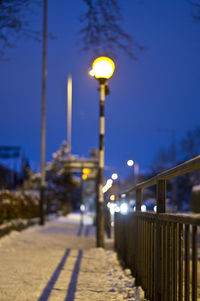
102,70
43,117
114,176
131,163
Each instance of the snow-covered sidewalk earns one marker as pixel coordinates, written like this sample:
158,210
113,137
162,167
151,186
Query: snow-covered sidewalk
59,262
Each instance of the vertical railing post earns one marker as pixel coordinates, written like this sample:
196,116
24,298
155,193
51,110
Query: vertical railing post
138,199
161,200
180,255
194,262
128,234
161,196
138,251
187,262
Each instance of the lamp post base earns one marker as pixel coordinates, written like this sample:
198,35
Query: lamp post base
42,206
100,225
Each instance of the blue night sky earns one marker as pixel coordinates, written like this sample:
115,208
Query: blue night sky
159,90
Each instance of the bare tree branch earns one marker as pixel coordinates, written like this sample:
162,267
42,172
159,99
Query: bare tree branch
102,30
14,22
196,9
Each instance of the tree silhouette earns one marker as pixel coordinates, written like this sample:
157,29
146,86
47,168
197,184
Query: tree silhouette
102,29
196,9
101,26
14,21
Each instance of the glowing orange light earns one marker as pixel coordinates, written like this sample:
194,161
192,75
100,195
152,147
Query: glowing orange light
84,177
86,171
112,197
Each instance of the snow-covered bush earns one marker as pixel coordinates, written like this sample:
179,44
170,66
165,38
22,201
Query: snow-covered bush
20,205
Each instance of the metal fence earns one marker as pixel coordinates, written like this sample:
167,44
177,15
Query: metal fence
160,248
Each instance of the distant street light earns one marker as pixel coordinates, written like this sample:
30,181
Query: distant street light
130,162
114,176
102,70
136,169
109,182
112,197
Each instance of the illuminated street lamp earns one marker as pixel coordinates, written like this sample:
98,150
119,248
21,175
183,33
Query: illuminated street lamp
136,169
109,182
102,70
112,197
108,185
114,176
130,162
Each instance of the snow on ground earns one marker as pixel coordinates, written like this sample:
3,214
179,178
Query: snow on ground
59,262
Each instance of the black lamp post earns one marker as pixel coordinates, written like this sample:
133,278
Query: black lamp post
102,70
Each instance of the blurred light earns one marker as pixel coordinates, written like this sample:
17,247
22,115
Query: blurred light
82,207
130,162
84,177
155,208
117,209
112,197
86,171
134,208
108,205
112,208
91,72
105,188
109,182
143,208
114,176
132,202
123,195
124,208
108,185
102,67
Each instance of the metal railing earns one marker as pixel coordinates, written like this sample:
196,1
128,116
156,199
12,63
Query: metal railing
160,248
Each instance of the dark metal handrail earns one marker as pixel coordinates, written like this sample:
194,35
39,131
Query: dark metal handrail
176,171
189,219
161,248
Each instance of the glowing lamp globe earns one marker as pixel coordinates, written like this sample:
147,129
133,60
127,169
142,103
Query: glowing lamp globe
130,162
102,67
114,176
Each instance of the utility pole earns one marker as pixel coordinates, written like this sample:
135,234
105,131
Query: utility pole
43,122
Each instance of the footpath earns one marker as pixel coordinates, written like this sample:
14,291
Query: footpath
59,262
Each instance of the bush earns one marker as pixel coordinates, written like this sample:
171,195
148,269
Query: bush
17,205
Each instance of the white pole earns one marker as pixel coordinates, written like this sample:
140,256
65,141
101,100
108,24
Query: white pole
69,112
136,172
